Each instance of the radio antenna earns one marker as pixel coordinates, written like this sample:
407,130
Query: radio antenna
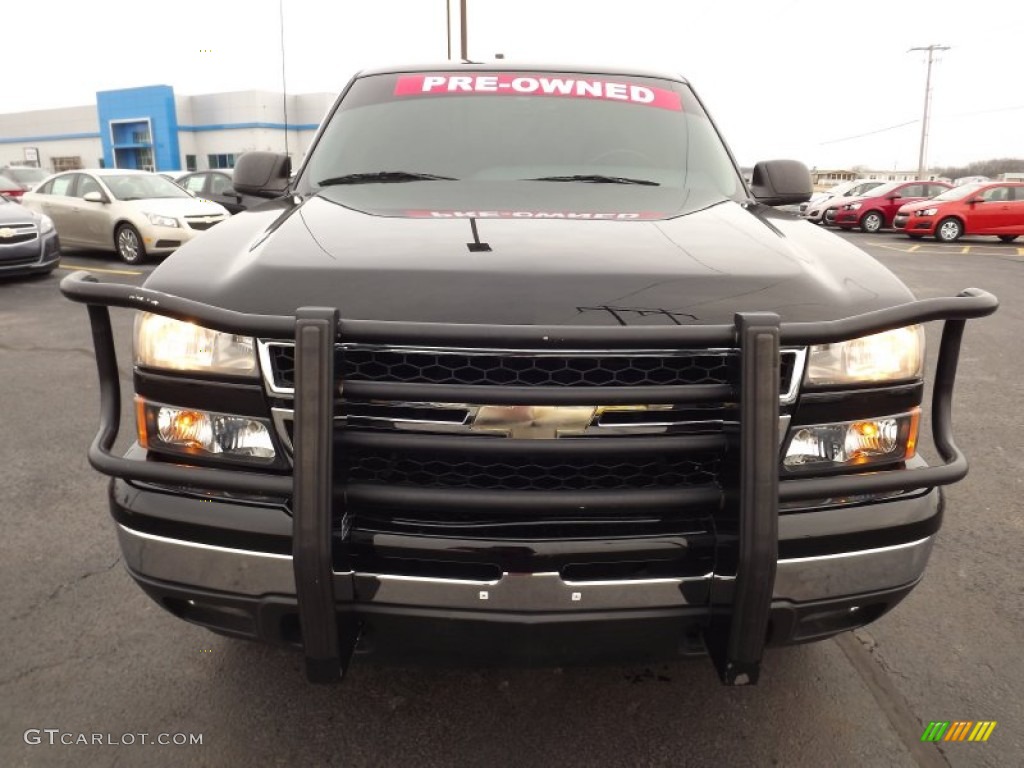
284,83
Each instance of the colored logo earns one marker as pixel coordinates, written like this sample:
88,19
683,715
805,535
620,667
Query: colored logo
5,233
959,730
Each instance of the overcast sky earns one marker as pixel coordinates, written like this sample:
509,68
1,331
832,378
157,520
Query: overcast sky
783,78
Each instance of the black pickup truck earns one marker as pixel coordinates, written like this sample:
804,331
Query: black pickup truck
517,366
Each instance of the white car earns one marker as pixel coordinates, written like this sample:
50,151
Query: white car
135,213
814,209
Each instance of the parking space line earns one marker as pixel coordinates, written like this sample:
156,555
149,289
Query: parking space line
939,249
899,248
100,269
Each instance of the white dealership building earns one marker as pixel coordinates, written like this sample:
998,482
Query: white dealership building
152,128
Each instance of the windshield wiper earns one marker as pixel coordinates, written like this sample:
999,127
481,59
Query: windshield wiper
594,178
382,177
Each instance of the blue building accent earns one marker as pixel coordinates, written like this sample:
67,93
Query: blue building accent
139,127
50,137
241,126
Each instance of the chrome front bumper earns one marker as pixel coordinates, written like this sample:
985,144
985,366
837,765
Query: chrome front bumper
255,574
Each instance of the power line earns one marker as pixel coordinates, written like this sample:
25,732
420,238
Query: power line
940,117
870,133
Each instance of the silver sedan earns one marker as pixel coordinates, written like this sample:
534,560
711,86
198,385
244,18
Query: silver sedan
135,213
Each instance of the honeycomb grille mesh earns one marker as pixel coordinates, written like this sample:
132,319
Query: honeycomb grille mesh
637,370
599,370
531,473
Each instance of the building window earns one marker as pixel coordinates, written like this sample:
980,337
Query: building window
221,161
145,160
101,163
67,164
190,163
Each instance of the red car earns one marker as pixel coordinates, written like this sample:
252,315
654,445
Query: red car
877,209
986,208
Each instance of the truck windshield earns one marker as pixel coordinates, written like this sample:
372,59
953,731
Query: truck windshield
642,141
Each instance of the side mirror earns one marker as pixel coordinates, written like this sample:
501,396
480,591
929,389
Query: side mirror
975,200
94,197
781,182
263,174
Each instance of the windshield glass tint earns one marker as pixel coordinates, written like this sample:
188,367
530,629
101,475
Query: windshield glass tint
884,189
142,186
959,193
863,189
494,130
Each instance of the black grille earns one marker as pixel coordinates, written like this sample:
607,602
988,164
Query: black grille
511,370
503,369
21,237
18,261
200,224
525,473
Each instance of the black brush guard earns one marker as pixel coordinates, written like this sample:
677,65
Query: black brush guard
736,640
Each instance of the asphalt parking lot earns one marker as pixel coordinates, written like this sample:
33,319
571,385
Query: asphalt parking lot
86,652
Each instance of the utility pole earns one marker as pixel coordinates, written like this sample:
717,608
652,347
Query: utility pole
927,104
463,33
462,19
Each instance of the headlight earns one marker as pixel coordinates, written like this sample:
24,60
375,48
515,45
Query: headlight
161,342
852,443
928,212
851,207
161,221
191,432
894,355
45,224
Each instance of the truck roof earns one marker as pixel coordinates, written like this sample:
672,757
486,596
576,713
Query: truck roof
504,65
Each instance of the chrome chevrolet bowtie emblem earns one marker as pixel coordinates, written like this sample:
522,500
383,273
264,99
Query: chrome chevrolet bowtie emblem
534,422
7,232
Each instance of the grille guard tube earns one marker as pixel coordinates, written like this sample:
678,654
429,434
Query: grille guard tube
328,643
738,649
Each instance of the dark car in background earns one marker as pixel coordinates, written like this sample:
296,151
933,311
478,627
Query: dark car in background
28,241
972,209
218,187
878,208
24,176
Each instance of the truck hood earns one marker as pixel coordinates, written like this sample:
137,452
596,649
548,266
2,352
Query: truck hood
583,267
